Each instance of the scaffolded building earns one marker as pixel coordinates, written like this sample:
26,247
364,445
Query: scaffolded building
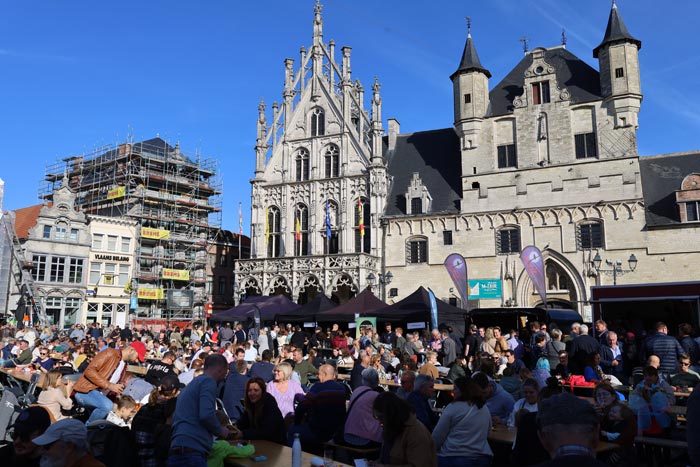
176,201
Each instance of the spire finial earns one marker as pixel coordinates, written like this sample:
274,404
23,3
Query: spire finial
613,4
469,25
318,7
524,42
563,37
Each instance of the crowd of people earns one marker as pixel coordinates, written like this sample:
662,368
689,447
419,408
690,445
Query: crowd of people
239,384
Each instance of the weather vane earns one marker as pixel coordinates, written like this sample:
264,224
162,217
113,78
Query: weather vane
525,45
469,24
563,37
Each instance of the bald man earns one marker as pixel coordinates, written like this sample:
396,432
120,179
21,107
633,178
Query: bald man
321,413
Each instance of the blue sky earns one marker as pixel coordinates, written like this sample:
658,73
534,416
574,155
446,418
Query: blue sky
80,74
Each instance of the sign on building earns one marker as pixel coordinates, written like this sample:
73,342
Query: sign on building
484,289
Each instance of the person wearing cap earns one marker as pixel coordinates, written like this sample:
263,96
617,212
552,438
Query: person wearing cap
65,445
30,423
25,356
103,376
568,428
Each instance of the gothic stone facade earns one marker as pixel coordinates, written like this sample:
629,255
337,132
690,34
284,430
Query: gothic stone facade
546,157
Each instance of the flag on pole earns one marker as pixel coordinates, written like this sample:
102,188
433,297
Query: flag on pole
240,219
267,226
298,229
361,216
328,221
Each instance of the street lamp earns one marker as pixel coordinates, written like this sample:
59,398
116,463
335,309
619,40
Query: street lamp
384,280
616,266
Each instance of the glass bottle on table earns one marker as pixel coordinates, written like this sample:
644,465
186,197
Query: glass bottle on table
296,451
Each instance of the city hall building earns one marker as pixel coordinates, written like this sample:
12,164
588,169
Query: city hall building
545,155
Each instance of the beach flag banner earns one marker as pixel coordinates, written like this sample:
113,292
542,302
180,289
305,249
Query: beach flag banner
531,256
457,269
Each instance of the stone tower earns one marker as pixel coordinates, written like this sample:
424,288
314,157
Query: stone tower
471,96
618,56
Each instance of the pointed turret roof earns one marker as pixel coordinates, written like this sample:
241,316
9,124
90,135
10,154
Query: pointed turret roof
470,59
616,32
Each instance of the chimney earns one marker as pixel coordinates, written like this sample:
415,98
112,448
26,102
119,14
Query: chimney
394,130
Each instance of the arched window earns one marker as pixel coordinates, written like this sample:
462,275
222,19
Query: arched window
273,237
331,245
363,238
332,160
318,122
589,234
301,230
508,240
417,250
301,162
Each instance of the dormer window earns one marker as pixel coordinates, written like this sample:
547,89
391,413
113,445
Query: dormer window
418,198
688,199
540,92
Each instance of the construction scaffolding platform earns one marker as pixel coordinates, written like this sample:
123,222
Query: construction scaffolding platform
177,201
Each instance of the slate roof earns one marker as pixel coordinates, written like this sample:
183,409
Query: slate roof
436,156
470,60
580,79
661,178
616,31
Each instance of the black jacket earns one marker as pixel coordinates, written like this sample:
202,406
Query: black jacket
269,425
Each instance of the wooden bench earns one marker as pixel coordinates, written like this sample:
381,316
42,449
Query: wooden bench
660,451
347,453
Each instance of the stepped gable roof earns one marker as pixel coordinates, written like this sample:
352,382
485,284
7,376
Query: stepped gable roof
616,32
573,74
661,178
436,157
470,60
25,219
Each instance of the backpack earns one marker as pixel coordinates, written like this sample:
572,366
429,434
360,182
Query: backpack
9,410
111,444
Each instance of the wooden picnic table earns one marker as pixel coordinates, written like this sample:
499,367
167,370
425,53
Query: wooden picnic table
392,383
22,375
277,455
503,434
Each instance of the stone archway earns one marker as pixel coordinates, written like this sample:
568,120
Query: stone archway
279,286
344,289
565,286
309,287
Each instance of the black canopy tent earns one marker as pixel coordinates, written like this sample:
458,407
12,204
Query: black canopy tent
364,303
268,306
309,311
416,308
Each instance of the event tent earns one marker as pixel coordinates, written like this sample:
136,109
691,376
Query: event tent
269,306
416,308
365,302
309,311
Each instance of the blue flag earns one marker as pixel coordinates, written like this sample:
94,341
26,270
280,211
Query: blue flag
328,221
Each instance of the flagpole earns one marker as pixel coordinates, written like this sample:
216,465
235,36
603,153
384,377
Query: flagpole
240,228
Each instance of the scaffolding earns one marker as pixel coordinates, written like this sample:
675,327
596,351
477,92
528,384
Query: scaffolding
176,200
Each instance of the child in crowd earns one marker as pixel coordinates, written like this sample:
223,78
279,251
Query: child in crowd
123,411
614,415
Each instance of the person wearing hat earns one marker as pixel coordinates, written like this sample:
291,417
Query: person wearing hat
30,423
104,376
65,445
568,428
